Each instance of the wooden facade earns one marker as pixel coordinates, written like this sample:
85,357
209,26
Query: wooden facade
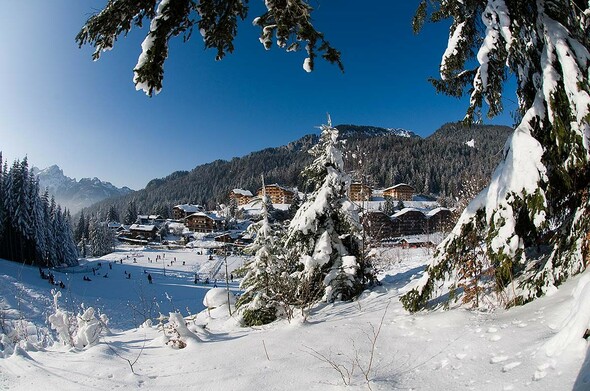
378,225
179,212
409,221
278,194
440,220
203,222
143,232
360,192
400,192
242,197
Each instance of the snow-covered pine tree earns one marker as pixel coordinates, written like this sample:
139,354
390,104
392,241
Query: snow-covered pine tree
2,198
49,209
264,284
534,217
295,205
324,237
101,238
70,249
38,216
131,213
113,215
80,229
60,240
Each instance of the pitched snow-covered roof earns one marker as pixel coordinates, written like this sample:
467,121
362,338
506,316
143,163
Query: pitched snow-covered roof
415,240
208,215
243,192
280,187
435,211
189,208
142,227
149,217
404,211
398,185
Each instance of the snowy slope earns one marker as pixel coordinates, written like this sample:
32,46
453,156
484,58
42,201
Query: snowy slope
442,350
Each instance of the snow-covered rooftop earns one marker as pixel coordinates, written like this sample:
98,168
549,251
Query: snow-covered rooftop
243,192
435,211
397,186
208,215
142,227
404,211
189,208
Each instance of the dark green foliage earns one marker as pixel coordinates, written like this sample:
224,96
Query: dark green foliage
32,229
287,21
259,316
543,230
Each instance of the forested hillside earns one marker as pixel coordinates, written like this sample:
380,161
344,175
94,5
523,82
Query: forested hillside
439,164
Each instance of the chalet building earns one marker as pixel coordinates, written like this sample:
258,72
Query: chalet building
204,222
179,212
150,220
241,196
360,192
416,242
439,219
143,232
378,225
278,194
409,221
400,192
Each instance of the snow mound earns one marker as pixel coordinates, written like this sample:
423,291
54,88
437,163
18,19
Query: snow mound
216,297
576,324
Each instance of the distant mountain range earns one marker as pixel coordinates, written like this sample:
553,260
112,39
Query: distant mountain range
440,164
76,195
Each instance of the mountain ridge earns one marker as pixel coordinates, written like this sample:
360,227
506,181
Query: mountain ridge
438,164
76,194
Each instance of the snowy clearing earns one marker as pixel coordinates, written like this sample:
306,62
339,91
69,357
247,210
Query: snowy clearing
441,350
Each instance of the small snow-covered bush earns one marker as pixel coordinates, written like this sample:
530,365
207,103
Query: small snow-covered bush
89,328
80,330
177,332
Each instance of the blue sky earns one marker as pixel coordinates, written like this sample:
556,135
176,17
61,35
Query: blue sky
57,106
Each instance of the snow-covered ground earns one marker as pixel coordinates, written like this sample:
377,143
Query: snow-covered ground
518,349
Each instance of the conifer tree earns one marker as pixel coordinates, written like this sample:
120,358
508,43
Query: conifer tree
2,198
38,215
131,213
324,237
101,238
535,214
389,206
262,284
70,249
80,230
112,215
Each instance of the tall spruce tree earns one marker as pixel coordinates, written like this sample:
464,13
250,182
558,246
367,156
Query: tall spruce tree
112,215
80,230
27,221
534,217
264,283
131,213
101,237
324,237
2,198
